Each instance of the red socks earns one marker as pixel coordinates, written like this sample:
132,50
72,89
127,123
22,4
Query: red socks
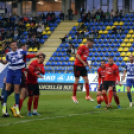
74,89
29,103
35,102
87,88
110,96
20,103
105,98
116,99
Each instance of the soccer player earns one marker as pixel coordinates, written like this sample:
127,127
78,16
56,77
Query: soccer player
80,68
101,77
111,77
130,78
35,69
16,63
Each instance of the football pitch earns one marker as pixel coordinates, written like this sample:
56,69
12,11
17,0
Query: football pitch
59,115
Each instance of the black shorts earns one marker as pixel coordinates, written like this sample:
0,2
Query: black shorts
33,89
107,84
23,80
80,71
102,87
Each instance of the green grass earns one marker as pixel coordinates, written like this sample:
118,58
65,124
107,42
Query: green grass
59,115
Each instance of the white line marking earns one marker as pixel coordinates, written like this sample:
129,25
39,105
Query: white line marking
56,117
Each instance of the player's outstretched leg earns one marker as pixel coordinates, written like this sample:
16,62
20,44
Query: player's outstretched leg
35,105
87,88
116,99
75,90
129,96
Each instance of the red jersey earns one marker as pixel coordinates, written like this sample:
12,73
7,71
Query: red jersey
112,72
83,51
34,71
101,74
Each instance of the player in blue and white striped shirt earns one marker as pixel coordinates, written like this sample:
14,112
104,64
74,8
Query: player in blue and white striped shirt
130,77
15,58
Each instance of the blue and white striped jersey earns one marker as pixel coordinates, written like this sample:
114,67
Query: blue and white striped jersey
16,59
130,70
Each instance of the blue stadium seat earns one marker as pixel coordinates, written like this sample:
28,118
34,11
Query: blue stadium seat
74,28
131,15
56,58
103,27
111,54
128,27
115,58
74,41
120,40
120,69
110,41
86,24
101,54
79,41
96,54
66,58
67,45
115,40
96,24
109,49
131,49
125,32
94,49
23,41
131,23
133,45
112,45
60,54
53,64
73,36
61,59
95,64
123,64
115,49
98,59
45,36
108,36
125,23
113,36
51,59
63,50
61,45
88,58
64,54
118,36
76,45
117,54
54,54
104,58
123,19
106,54
110,23
101,23
128,20
117,63
93,28
90,54
104,49
98,28
102,36
95,40
107,45
120,59
91,24
132,19
48,64
118,45
123,36
99,49
93,59
41,41
51,28
59,63
102,45
105,41
96,45
106,23
100,41
79,20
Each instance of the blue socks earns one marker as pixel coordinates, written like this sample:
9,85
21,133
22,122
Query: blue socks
17,96
129,97
6,96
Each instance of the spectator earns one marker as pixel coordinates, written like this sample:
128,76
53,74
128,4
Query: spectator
45,23
120,31
97,16
91,34
82,34
48,19
53,19
52,14
114,30
7,50
82,26
88,16
116,14
61,15
48,14
92,18
26,19
86,34
112,14
70,11
121,14
81,11
64,39
77,34
103,17
2,52
69,52
94,10
107,15
15,34
43,16
96,33
39,31
16,20
34,42
69,38
72,50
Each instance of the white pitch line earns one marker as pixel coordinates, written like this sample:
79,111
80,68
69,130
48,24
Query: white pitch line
56,117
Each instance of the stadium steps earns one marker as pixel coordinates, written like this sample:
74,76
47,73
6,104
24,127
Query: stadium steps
52,43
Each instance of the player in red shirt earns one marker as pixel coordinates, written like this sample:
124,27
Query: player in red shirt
80,68
101,77
35,69
111,78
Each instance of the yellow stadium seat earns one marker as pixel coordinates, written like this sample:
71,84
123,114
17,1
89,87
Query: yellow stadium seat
30,49
3,58
120,49
133,53
125,40
130,31
35,49
123,44
80,31
125,49
49,32
121,23
72,59
76,24
47,28
131,40
128,54
108,27
105,32
125,59
100,32
128,45
116,23
128,36
28,25
123,54
132,35
44,32
113,27
84,41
